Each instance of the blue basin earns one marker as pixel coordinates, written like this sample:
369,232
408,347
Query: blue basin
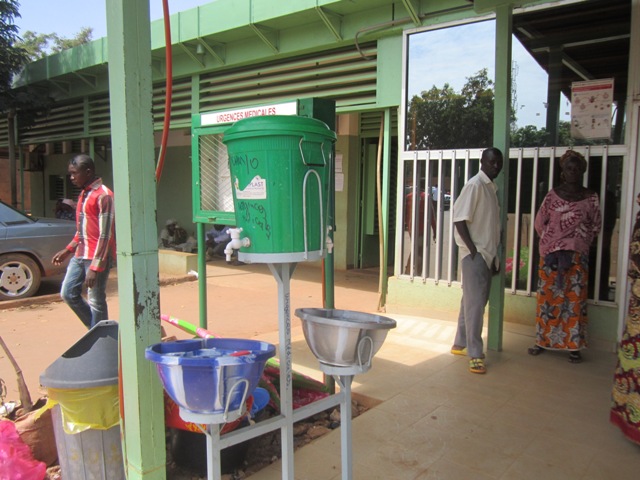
210,377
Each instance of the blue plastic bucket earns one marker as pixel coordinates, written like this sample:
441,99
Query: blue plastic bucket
210,377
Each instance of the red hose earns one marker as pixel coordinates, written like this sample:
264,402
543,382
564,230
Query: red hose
169,87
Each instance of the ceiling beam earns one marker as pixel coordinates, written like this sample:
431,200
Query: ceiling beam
413,7
269,36
64,87
574,39
90,80
215,49
575,67
191,52
332,20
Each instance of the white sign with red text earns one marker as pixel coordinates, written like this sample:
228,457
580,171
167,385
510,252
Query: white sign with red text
230,116
591,107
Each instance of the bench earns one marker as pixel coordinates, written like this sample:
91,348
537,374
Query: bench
171,262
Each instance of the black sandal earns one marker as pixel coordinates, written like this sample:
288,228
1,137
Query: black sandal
535,350
575,357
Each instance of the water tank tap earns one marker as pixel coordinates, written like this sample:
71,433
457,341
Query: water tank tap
328,240
236,242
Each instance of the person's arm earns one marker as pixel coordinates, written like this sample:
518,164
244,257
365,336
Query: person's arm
596,220
105,226
63,254
463,231
432,214
542,218
164,239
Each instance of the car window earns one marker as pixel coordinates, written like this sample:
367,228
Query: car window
11,216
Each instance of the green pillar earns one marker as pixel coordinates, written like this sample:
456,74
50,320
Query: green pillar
386,186
553,94
202,274
501,124
129,42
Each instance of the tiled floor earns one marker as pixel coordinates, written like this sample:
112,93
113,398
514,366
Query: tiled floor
527,418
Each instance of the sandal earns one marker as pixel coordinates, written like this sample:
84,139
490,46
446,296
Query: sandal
575,357
476,365
457,350
535,350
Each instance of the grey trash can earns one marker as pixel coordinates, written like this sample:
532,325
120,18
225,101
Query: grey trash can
84,373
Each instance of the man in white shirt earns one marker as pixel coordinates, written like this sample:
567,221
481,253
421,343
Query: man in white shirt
476,216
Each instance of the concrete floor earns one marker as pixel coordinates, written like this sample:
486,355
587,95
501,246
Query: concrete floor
527,418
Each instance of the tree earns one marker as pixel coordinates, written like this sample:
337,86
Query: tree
12,58
85,35
27,101
35,44
441,118
529,136
39,45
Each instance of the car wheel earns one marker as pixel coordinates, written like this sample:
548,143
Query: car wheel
19,276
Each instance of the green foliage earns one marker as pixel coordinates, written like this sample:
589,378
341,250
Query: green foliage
442,118
531,136
35,44
39,45
27,101
12,58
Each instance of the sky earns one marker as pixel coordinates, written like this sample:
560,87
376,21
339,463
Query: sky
452,55
68,17
437,53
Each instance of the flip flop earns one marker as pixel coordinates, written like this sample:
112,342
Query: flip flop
535,350
457,350
575,357
476,365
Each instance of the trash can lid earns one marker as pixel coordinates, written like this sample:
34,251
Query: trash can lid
277,125
91,362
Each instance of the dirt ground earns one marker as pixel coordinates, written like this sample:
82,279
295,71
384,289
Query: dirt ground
242,302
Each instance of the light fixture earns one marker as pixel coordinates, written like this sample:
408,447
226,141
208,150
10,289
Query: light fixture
200,49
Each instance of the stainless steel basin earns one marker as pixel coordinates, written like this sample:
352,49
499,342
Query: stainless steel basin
344,338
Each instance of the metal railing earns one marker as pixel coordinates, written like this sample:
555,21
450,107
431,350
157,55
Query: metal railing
440,175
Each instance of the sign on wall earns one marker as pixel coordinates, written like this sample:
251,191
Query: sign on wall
591,105
230,116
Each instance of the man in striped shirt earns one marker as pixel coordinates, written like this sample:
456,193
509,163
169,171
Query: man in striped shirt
93,244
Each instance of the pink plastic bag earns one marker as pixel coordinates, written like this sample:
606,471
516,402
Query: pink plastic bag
16,460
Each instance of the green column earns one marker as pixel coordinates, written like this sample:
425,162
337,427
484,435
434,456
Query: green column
501,116
129,42
386,185
202,274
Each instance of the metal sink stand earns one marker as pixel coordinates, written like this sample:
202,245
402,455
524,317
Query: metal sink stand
285,421
344,378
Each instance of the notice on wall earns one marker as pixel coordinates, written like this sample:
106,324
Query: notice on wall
339,173
338,162
591,107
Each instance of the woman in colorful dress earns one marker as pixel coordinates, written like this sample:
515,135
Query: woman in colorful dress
568,221
625,407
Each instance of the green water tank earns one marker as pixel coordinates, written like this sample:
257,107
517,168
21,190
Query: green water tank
280,169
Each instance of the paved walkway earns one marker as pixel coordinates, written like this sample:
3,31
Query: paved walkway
527,418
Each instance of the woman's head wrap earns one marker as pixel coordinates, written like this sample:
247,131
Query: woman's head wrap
573,155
